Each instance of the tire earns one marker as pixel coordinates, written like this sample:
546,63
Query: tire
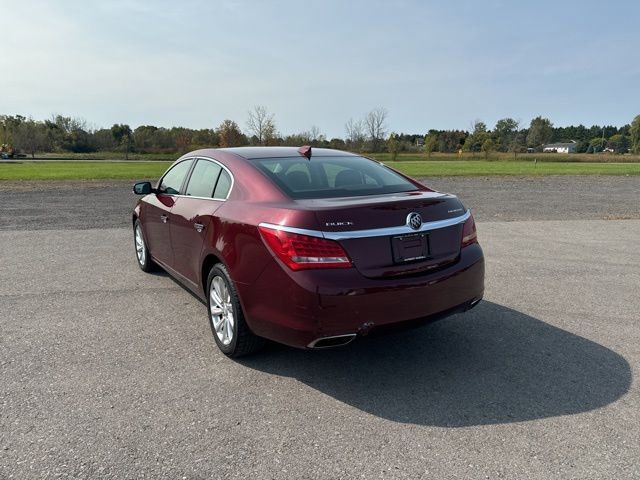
231,333
142,252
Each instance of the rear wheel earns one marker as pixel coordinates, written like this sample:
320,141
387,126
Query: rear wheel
229,328
142,252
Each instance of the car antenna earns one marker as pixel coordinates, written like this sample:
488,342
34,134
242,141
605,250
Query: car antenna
305,151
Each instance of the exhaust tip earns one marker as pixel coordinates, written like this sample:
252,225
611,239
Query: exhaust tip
331,342
474,303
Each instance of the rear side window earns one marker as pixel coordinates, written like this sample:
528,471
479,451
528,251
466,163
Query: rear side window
203,179
172,181
223,186
326,177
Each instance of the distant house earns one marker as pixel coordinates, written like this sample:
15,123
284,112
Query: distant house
569,147
419,142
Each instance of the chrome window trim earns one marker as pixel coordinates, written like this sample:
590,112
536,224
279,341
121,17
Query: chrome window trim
373,232
195,159
195,198
171,167
233,180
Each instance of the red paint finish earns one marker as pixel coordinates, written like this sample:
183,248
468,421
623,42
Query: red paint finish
189,225
306,305
156,210
296,307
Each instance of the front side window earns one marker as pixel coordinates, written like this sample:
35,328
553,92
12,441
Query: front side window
172,181
203,179
327,177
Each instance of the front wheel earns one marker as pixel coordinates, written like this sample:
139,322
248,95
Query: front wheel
142,252
229,328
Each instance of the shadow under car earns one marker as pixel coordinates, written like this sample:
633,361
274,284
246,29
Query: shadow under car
491,365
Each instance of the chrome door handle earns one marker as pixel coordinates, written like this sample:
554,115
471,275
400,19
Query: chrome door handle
164,218
198,226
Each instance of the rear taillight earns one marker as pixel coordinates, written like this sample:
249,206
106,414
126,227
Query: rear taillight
469,234
301,252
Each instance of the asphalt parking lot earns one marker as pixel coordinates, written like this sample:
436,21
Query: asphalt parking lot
99,204
107,372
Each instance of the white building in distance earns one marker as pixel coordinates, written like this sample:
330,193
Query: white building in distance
569,147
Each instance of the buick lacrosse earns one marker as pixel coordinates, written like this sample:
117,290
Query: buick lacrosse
307,247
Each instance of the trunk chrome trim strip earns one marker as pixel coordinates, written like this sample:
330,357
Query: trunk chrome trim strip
301,231
373,232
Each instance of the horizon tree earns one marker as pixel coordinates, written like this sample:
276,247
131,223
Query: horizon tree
518,144
540,132
375,125
634,132
355,134
619,143
393,146
488,146
261,124
31,136
596,145
314,135
504,132
477,137
123,135
230,135
429,144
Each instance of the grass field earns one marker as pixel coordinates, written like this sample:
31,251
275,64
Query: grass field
384,157
154,157
81,170
130,170
508,157
481,168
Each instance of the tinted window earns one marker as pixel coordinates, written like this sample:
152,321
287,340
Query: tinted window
203,179
172,181
223,186
325,177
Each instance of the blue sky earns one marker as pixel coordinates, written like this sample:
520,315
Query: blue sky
430,64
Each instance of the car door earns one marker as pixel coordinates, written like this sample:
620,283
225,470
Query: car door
158,211
192,215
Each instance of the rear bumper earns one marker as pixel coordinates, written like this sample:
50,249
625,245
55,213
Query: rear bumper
298,308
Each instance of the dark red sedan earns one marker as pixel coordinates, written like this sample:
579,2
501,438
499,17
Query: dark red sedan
310,248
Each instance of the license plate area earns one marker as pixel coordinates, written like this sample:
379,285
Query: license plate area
410,248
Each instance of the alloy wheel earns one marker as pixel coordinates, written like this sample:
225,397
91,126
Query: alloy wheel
141,248
221,310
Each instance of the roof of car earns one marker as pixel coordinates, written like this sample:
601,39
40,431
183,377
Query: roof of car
272,152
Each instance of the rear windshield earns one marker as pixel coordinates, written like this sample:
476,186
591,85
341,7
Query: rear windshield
326,177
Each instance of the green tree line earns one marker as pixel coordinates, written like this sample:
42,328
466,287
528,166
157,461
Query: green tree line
367,134
509,136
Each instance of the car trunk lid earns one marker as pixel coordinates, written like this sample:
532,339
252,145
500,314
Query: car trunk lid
374,232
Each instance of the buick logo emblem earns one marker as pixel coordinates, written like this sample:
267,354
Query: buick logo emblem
414,220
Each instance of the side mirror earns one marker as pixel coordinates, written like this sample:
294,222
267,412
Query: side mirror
142,188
